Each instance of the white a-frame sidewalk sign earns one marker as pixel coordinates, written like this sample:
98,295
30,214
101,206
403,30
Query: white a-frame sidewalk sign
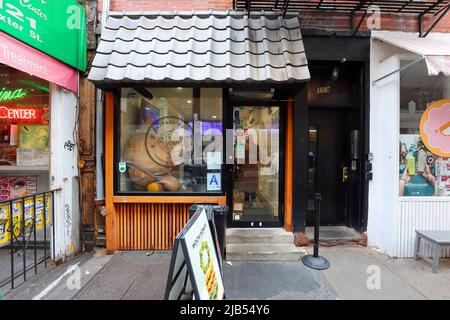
194,269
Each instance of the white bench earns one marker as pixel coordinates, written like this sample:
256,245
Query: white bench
438,240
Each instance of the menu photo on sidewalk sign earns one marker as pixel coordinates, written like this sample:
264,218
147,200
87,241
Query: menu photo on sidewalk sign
194,268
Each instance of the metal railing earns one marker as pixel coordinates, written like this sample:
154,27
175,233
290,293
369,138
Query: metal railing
21,219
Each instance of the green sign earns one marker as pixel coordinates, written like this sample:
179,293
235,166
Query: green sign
10,95
55,27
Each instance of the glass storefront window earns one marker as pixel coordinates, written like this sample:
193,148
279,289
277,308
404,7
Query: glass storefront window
24,119
424,168
24,133
170,140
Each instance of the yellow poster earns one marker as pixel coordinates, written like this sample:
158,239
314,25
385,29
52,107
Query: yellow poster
40,213
17,217
29,216
48,200
5,221
49,208
4,225
29,211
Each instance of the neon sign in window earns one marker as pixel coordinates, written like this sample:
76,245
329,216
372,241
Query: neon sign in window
7,95
22,115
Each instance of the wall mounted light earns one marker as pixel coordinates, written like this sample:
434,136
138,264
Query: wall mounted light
335,74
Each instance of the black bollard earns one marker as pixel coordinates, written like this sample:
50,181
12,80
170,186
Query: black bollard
315,261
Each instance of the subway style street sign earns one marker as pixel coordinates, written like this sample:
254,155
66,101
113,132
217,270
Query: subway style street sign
55,27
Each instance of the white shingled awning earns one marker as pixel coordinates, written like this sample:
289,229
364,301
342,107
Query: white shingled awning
201,47
435,49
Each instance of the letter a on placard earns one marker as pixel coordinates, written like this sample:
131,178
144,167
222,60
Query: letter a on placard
213,182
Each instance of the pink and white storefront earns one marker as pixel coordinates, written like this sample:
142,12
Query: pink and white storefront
38,132
409,139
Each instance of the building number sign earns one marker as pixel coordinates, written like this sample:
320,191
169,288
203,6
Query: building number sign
16,14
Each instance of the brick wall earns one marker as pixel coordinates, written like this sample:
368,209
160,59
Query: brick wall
151,5
405,22
326,20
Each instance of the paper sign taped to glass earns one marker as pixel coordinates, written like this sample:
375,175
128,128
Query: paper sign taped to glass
421,172
33,157
214,160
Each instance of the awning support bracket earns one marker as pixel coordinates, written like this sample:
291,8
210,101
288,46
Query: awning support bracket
442,13
399,70
352,16
285,7
319,5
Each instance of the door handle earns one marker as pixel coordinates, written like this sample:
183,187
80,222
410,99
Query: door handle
344,174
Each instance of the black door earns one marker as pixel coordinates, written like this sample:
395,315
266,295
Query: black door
328,166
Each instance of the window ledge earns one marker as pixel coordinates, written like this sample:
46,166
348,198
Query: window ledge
214,199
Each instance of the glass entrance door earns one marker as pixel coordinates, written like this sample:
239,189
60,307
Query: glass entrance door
256,175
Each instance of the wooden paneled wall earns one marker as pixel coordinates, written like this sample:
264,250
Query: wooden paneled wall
150,226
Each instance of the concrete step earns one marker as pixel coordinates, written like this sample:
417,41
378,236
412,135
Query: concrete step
101,240
263,235
263,252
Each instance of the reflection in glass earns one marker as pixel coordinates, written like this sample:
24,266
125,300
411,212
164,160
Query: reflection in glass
168,139
256,169
422,172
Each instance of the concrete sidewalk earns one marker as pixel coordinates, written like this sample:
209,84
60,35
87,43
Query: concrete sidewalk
143,276
353,266
275,281
355,273
61,282
132,275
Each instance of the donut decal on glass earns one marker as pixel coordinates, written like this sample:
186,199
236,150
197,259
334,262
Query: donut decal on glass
435,127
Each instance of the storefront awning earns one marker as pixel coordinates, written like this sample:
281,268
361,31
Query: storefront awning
205,47
24,58
435,49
